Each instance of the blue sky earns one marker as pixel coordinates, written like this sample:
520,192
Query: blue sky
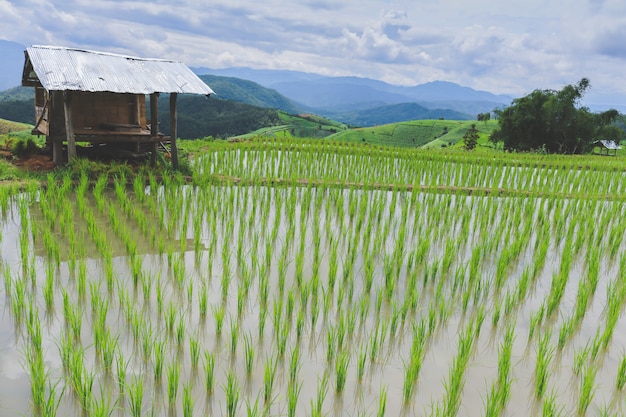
503,47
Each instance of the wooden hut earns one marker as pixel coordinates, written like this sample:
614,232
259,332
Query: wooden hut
606,146
100,98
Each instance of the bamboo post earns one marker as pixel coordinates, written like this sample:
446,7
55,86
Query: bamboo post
57,151
174,129
69,127
154,124
154,114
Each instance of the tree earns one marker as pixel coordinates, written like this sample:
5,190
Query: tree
551,120
613,133
484,117
470,139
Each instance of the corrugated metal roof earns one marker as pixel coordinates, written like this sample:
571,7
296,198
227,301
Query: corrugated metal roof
608,144
60,69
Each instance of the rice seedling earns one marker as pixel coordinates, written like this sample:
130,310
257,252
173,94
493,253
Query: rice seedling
249,354
234,336
173,376
318,403
621,373
209,372
147,342
504,357
170,318
102,406
108,349
282,337
616,296
50,406
121,367
18,299
587,388
135,396
159,354
341,368
269,375
218,314
254,410
382,402
455,382
38,377
48,288
596,345
232,392
293,392
536,319
187,401
262,318
551,408
203,301
315,309
241,300
413,367
82,382
300,324
361,361
565,332
194,352
545,353
605,411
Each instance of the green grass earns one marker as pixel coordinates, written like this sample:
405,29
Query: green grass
426,133
298,126
415,133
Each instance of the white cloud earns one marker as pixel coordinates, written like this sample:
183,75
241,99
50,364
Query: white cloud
504,47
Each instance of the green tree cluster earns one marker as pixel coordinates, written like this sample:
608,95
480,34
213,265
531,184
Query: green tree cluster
484,117
551,120
470,139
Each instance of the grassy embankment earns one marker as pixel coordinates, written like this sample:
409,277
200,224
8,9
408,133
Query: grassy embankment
417,133
411,134
298,126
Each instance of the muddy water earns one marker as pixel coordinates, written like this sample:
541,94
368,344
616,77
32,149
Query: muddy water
243,233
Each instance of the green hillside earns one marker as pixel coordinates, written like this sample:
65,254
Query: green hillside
248,92
17,94
424,133
9,127
299,126
397,113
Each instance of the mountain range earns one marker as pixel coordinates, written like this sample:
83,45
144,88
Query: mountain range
336,96
353,100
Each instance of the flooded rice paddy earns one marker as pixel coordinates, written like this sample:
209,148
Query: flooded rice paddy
251,300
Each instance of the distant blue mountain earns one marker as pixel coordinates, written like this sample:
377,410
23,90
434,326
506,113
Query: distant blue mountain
393,113
327,95
264,77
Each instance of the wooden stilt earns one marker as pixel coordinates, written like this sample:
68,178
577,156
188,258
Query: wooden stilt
174,129
69,127
155,149
154,123
154,114
57,152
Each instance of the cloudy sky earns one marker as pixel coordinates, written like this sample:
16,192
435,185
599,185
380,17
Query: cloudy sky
503,47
